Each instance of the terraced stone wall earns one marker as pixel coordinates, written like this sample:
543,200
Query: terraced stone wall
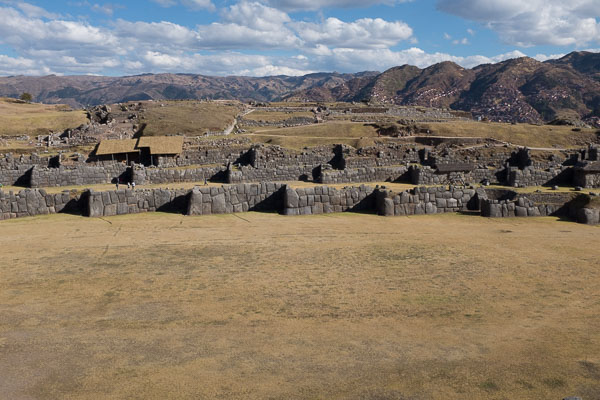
366,174
425,200
324,200
149,176
31,202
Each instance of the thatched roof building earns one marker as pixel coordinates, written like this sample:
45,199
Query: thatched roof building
144,149
162,145
109,147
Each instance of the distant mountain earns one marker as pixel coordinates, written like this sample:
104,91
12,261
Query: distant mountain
517,90
581,61
81,91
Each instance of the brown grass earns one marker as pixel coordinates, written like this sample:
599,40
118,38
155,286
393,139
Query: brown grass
161,306
17,118
272,116
336,130
520,134
298,137
190,118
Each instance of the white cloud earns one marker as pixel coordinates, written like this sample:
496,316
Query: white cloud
362,33
47,43
195,5
34,11
463,41
256,16
534,22
303,5
21,66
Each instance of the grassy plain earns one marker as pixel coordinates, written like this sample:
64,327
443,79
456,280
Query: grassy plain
256,306
18,118
276,116
191,118
359,133
298,137
520,134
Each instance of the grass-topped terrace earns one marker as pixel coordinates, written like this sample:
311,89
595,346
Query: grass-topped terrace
190,118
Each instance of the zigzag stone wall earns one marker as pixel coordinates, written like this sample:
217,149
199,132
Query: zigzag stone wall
128,201
75,176
235,198
425,200
323,200
31,202
275,174
522,207
530,176
426,175
367,174
149,176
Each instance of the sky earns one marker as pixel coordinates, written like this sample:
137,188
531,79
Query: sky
284,37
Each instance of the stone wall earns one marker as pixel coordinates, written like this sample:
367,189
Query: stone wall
588,216
270,157
530,176
198,201
17,170
149,176
424,200
323,200
207,155
425,175
367,174
298,172
31,202
586,179
381,155
236,198
78,175
521,207
16,176
129,201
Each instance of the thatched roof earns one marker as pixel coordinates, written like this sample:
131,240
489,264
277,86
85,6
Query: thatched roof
162,144
116,147
455,167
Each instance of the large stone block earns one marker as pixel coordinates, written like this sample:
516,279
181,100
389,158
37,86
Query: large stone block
291,198
388,207
588,216
195,203
218,204
95,205
122,208
520,211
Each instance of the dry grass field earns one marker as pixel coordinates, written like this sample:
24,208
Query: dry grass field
358,133
276,116
298,137
261,306
192,118
520,134
18,118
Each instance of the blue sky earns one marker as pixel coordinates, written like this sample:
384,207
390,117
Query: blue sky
292,37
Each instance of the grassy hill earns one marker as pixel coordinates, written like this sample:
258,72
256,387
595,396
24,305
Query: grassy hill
19,118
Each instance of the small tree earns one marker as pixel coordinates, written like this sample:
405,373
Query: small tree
26,97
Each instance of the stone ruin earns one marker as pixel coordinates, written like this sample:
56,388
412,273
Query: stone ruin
237,162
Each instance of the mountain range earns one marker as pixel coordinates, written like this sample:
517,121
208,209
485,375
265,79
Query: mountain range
516,90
